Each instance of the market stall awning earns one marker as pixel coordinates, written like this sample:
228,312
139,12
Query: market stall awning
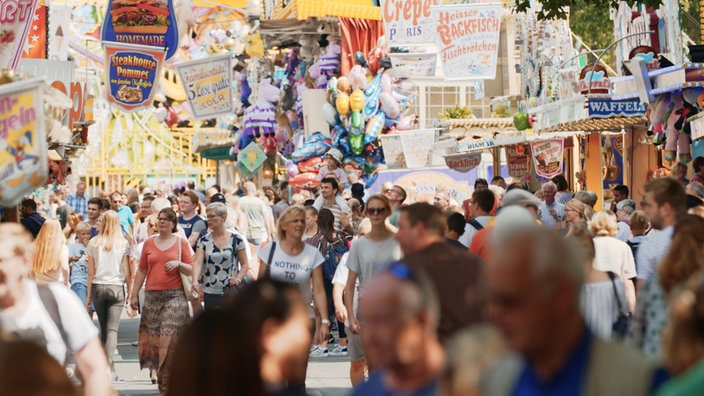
209,138
304,9
592,113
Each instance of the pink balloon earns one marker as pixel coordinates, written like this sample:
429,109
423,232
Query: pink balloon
386,83
406,123
358,77
389,105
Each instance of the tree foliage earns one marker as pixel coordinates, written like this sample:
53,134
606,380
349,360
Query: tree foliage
556,9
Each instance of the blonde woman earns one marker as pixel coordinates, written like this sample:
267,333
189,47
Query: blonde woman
50,263
108,271
613,255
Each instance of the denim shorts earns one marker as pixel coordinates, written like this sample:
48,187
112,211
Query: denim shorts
81,291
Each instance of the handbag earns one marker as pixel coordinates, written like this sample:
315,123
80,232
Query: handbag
623,321
267,273
186,280
230,289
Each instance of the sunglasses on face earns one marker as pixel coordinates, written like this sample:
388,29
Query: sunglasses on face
163,219
376,211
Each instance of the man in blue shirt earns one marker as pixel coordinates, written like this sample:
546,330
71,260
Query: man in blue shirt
123,212
533,288
79,200
401,313
31,220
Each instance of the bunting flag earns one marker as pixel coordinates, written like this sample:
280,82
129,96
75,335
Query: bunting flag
35,46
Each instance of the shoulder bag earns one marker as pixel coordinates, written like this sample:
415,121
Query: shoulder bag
186,280
267,274
622,323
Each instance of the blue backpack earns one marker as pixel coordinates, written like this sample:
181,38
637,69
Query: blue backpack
333,254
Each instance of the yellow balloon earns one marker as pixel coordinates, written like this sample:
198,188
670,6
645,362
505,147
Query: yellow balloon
357,100
343,104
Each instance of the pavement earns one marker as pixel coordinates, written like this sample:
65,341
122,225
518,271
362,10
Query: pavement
326,376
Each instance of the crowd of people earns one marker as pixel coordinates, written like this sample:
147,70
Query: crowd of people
510,292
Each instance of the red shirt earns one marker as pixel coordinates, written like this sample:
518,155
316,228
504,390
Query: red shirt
153,262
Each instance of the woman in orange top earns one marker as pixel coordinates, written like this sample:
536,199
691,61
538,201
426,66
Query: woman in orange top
165,306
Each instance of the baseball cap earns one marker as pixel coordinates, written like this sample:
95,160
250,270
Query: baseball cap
520,197
218,198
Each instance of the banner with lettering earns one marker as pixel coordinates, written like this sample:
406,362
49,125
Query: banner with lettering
23,148
463,162
413,65
518,160
208,87
467,36
15,18
132,74
547,157
142,22
408,21
417,145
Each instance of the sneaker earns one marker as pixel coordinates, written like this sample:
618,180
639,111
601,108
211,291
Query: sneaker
319,352
331,340
339,350
135,344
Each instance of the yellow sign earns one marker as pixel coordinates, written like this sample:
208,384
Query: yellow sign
23,150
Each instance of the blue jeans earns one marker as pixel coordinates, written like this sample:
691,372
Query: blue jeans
81,291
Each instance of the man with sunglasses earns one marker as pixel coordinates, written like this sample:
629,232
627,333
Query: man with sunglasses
399,311
453,272
396,195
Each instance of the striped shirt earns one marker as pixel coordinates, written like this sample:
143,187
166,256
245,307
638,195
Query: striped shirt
651,250
337,212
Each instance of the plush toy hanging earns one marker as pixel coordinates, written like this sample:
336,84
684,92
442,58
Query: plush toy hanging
260,119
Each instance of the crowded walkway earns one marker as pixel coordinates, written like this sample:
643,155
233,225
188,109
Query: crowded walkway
520,290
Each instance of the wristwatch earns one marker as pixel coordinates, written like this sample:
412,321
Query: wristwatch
325,321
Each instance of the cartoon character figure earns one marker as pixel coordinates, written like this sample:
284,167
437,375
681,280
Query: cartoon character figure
17,149
260,119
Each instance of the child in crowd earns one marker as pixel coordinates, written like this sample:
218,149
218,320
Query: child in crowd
78,262
333,169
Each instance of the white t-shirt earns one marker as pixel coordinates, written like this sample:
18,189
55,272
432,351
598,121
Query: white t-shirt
295,270
340,278
368,257
614,256
109,269
77,325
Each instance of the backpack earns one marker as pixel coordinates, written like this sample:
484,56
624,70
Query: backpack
634,247
333,254
474,223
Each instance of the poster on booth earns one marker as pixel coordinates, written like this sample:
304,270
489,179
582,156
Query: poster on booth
413,65
16,16
208,87
132,74
23,149
518,160
408,22
417,146
612,160
547,157
463,162
142,22
393,151
467,36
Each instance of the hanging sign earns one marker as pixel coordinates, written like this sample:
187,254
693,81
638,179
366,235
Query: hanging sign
518,160
468,39
417,146
612,157
463,162
547,157
408,21
393,151
208,87
15,18
132,73
413,65
605,108
23,148
142,22
35,47
491,140
251,158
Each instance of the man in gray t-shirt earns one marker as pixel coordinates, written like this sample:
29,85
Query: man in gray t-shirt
255,209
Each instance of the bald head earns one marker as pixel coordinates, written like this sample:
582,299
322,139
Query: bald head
534,288
250,188
400,315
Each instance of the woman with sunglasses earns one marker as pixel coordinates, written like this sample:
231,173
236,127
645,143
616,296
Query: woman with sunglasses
290,260
165,306
369,254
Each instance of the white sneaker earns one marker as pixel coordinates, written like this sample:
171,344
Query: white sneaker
339,350
319,352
